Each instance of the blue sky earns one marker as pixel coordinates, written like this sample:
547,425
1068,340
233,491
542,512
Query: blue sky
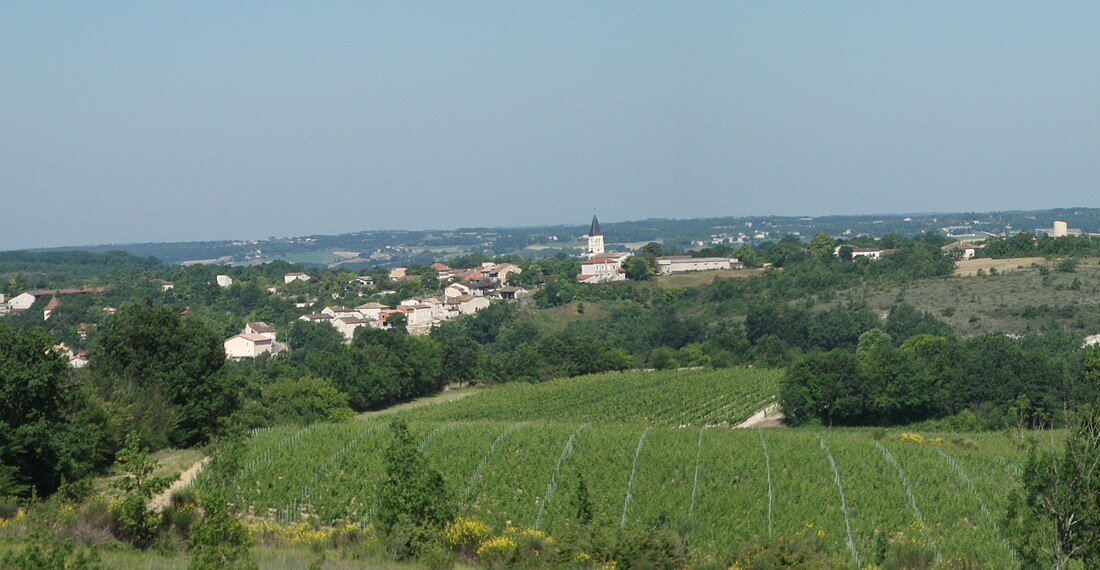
158,121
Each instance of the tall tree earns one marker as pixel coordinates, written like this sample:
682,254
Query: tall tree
40,443
1057,514
148,353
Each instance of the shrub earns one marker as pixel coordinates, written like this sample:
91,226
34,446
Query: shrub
220,541
47,552
93,524
464,535
134,521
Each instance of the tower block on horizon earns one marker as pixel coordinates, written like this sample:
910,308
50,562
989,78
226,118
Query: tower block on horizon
595,239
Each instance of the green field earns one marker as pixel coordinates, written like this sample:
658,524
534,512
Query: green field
669,398
515,455
1018,300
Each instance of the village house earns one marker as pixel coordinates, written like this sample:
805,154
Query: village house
468,305
481,288
224,281
499,272
348,325
362,281
868,252
456,290
248,346
962,249
513,293
79,360
371,310
398,273
260,328
166,286
53,305
296,276
603,269
21,302
340,312
316,318
684,264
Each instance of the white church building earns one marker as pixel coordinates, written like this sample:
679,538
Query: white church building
601,267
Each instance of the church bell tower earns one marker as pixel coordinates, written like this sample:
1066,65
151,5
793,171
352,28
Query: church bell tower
595,239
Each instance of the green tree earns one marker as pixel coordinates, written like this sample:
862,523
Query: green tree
169,371
1056,513
638,268
135,489
413,491
302,335
822,245
307,401
42,438
220,541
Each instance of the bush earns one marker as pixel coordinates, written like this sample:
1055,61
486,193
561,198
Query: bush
220,541
93,524
47,552
134,521
307,401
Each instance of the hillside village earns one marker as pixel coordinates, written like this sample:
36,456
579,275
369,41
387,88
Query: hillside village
464,291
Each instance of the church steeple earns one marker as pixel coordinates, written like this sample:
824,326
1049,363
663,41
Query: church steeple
595,239
595,231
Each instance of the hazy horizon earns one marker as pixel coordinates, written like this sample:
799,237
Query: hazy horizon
134,123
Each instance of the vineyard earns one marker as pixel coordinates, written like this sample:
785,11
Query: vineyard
673,398
725,487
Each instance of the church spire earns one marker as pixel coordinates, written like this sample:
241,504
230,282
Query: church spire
595,231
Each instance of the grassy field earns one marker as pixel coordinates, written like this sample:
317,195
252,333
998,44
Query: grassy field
556,319
971,267
442,397
697,278
517,455
268,558
170,463
1019,299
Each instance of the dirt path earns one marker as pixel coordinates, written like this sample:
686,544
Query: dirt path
162,500
769,417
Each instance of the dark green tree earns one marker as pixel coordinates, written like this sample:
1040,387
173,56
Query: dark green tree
42,438
1055,516
160,364
638,268
413,490
220,541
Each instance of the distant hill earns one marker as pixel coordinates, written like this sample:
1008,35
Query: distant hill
389,247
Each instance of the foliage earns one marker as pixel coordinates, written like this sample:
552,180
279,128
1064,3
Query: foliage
306,401
927,378
167,371
1056,514
220,541
45,552
412,490
135,487
43,439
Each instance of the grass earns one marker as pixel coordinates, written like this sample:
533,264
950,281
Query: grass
970,267
442,397
1016,300
556,319
268,558
697,278
170,463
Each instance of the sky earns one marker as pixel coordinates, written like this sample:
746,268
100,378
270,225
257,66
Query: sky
175,121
